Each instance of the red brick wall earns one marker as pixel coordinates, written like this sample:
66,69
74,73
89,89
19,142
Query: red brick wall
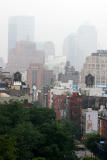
75,107
58,104
103,128
39,82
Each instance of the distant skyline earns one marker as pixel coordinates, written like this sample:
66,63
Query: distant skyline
55,19
20,28
80,45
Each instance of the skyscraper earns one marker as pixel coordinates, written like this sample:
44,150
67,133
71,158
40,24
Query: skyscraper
20,28
79,45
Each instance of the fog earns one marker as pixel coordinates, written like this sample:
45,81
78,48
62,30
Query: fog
55,19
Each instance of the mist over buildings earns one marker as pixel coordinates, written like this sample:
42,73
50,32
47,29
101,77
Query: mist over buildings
57,42
80,44
20,28
54,53
54,20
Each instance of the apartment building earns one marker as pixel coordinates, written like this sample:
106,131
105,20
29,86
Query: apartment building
96,65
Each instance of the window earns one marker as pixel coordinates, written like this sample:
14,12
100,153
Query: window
103,66
97,65
93,65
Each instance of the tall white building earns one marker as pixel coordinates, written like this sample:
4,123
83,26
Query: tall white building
79,45
20,28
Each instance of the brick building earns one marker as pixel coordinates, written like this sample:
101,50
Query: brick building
75,107
35,75
59,106
67,106
103,126
38,75
23,55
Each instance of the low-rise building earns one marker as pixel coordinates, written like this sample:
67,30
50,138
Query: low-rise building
103,126
103,121
95,91
89,121
14,89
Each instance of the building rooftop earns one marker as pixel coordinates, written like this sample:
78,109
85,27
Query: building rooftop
100,53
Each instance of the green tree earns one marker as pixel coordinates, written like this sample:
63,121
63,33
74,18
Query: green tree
91,140
37,132
14,113
7,147
71,127
4,124
29,140
58,141
39,158
40,115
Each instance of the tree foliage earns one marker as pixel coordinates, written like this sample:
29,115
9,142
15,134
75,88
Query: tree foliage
33,134
7,147
91,140
39,158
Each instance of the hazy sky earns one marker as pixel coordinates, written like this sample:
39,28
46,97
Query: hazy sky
55,19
